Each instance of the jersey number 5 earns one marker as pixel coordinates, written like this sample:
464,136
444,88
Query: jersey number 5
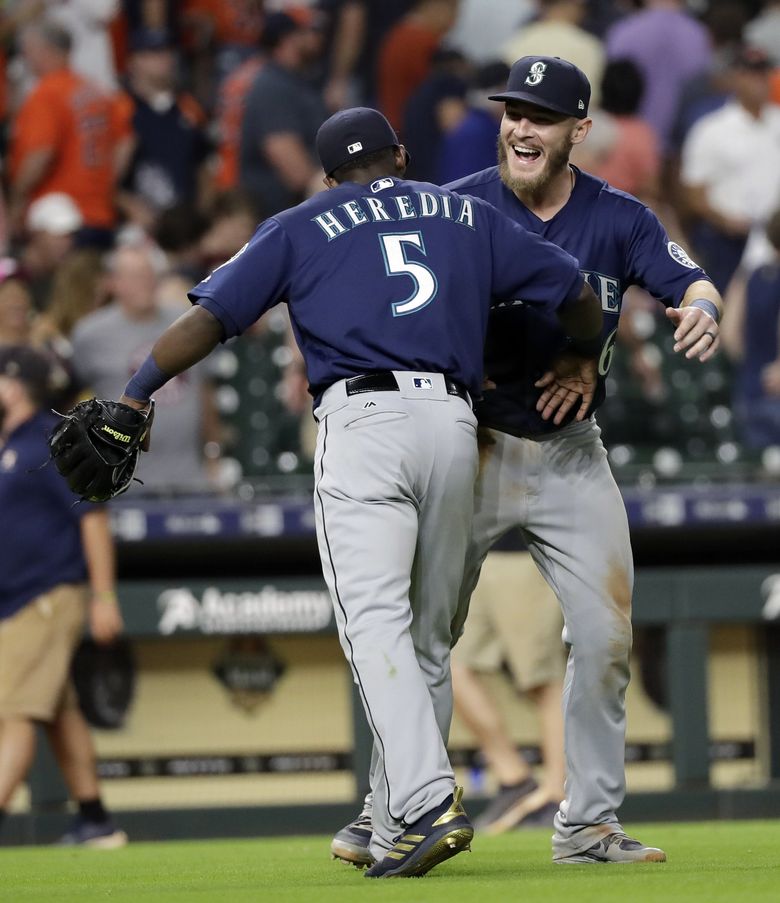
425,284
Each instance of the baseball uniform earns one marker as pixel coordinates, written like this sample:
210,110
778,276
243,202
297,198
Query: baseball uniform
388,286
555,483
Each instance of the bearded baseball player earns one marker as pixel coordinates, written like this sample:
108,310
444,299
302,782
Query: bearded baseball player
548,474
388,284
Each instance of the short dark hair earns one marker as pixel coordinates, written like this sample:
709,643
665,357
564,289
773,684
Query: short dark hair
385,155
622,87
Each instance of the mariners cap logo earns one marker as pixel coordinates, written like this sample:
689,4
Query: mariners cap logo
354,148
536,73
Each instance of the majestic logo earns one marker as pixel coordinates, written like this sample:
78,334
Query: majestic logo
423,382
680,255
120,437
354,148
536,73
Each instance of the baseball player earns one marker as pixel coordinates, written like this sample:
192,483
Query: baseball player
388,284
550,476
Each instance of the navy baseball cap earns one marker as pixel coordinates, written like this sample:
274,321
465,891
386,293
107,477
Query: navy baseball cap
548,82
150,39
28,366
352,133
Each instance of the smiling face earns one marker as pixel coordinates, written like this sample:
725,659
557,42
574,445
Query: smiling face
534,146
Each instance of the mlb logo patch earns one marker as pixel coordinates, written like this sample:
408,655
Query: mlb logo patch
381,184
423,382
354,148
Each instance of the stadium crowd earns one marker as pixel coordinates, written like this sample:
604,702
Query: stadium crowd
143,141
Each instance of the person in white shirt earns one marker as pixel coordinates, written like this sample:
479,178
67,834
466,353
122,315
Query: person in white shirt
730,168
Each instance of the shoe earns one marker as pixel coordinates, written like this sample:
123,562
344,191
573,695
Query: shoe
98,835
350,845
617,847
540,818
440,834
508,808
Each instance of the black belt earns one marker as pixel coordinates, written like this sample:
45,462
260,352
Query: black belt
385,381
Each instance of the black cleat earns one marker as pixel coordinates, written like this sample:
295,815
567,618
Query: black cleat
438,835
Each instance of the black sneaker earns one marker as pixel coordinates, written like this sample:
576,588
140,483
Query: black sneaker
438,835
350,844
508,808
98,835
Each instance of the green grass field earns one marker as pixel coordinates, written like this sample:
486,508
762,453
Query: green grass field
716,862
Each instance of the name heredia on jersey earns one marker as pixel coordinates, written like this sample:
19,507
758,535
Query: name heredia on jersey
342,219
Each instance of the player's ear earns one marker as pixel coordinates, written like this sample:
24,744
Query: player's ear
581,129
401,158
329,182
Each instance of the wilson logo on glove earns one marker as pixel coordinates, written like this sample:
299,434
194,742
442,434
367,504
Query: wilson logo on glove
96,447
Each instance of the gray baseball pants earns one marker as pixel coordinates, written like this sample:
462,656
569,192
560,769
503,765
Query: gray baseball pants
561,492
393,498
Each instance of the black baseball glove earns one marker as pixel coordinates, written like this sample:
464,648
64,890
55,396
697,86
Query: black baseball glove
96,447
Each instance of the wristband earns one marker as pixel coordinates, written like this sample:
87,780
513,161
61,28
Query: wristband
146,380
708,307
585,347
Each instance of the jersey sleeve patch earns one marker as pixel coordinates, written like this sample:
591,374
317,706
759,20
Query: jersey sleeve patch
680,255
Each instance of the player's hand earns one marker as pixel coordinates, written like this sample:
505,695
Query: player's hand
148,408
570,380
696,333
105,620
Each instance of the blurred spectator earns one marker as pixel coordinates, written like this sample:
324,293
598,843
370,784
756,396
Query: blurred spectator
281,117
179,233
56,572
168,162
229,116
630,160
764,31
669,46
52,225
87,22
406,53
482,26
359,27
111,343
228,29
16,310
558,32
471,145
76,290
731,168
68,137
233,220
432,111
751,336
708,90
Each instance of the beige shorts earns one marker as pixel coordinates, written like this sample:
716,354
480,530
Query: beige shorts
36,650
514,618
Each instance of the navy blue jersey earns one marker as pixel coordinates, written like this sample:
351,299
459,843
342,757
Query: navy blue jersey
41,545
619,242
395,275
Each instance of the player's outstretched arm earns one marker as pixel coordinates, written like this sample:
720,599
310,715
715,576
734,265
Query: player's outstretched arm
185,342
697,332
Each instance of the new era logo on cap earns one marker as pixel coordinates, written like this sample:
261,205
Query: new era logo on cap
354,148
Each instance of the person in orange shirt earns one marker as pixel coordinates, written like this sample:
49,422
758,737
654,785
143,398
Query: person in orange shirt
230,113
406,52
68,137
